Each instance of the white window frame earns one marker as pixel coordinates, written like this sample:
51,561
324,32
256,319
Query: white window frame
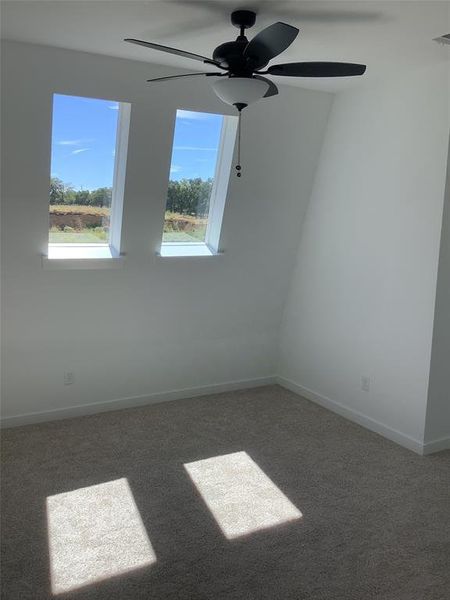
120,170
210,247
107,255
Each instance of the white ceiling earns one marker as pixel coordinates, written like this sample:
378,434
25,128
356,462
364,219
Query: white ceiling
390,37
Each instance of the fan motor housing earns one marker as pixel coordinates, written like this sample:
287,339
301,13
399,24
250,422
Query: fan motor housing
231,56
243,19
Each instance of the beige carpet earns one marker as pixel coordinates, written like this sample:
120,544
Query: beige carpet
249,495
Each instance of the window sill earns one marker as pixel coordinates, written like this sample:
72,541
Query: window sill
86,256
180,249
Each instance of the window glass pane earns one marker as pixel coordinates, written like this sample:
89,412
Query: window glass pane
82,168
194,157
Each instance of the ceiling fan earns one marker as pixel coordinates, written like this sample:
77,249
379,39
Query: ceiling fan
241,79
241,62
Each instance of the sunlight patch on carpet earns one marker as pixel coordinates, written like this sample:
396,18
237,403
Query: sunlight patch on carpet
241,497
95,533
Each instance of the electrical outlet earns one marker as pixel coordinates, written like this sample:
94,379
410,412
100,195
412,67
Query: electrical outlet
69,378
365,383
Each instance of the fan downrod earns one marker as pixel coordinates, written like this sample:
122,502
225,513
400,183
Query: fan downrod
243,19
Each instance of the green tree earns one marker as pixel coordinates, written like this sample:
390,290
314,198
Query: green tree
189,196
101,197
70,195
185,196
82,197
60,192
57,188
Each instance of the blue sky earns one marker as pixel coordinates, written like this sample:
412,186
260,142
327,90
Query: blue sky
196,141
83,141
84,134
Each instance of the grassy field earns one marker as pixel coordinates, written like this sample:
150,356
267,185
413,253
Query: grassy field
76,209
72,235
183,228
181,236
177,228
85,236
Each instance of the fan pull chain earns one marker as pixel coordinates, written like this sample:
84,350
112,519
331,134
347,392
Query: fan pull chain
238,166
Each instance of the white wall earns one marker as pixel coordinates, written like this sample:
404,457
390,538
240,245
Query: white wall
363,293
158,324
437,431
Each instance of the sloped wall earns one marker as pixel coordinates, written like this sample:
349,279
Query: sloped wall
437,431
362,298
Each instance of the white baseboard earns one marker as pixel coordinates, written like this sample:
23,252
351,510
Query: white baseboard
133,402
356,416
436,445
136,401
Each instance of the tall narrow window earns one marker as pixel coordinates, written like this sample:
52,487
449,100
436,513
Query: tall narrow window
201,159
89,142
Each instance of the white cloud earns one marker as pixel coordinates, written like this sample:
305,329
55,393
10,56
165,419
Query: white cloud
197,116
194,148
79,142
79,151
114,106
175,169
69,142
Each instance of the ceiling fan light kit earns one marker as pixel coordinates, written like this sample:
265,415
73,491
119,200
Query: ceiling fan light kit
242,80
240,91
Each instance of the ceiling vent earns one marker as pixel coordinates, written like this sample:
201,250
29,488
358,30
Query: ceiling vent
444,39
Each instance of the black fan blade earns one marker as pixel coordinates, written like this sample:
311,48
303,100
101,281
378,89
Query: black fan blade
186,75
272,91
153,46
268,43
317,69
